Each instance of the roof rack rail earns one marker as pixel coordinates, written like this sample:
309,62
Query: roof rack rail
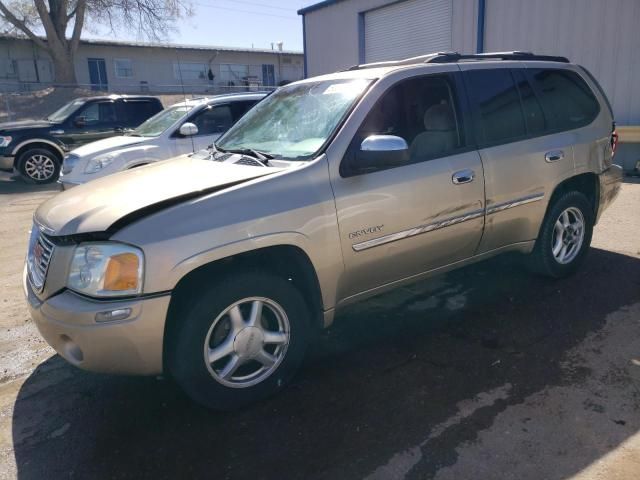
448,57
452,57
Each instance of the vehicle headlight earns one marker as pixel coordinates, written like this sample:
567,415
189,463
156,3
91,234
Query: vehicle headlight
106,269
98,163
5,141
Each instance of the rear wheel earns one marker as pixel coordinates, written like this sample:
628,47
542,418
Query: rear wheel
240,341
38,165
564,237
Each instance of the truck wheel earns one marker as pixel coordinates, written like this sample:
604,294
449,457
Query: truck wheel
564,237
38,165
240,341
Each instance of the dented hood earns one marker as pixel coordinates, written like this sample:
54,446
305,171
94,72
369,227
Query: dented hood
109,202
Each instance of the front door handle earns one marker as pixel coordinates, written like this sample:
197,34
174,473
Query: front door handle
553,156
463,176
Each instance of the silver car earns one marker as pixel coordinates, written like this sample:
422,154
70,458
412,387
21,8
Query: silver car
219,268
182,128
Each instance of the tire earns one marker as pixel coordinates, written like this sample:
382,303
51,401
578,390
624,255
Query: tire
38,165
207,327
548,257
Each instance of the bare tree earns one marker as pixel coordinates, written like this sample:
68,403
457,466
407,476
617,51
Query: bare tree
63,22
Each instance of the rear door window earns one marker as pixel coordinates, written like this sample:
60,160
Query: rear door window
534,117
566,99
497,101
132,113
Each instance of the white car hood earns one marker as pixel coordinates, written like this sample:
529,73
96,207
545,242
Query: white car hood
108,144
110,202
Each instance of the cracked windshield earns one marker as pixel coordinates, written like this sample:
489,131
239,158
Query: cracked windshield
293,123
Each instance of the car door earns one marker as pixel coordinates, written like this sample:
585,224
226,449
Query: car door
94,121
523,157
211,121
399,222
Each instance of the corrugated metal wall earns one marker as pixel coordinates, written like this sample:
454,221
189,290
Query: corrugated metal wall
407,29
332,41
602,35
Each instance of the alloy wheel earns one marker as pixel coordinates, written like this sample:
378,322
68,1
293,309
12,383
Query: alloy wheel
39,167
247,342
568,235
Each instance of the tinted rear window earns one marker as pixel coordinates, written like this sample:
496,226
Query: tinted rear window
134,112
534,117
567,100
498,101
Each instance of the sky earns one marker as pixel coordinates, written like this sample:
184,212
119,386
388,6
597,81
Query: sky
238,23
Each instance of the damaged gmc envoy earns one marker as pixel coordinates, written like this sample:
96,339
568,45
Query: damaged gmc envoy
218,268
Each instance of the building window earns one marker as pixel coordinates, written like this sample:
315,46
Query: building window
123,67
7,68
234,74
190,71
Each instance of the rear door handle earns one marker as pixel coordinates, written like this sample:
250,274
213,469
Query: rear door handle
553,156
463,176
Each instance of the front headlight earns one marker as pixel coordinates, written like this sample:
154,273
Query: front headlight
106,269
98,163
5,141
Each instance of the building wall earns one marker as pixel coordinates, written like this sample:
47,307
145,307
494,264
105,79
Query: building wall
152,67
332,33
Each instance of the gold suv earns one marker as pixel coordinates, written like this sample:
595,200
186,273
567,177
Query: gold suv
218,267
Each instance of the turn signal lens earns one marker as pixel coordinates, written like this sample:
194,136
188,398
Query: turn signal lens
122,272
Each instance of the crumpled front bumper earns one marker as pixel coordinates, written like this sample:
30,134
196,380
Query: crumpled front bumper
67,321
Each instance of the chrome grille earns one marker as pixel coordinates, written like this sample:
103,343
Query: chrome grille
38,258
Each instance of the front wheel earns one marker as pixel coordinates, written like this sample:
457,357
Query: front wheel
564,237
240,341
38,165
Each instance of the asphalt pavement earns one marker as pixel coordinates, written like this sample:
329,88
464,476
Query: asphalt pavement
488,372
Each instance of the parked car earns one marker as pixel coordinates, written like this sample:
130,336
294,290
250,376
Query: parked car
184,127
331,190
36,147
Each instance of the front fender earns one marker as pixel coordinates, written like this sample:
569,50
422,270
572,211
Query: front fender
221,252
288,208
53,142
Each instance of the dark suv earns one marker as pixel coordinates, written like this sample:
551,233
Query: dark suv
36,147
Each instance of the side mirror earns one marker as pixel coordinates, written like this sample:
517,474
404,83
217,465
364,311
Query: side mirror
80,121
381,151
188,129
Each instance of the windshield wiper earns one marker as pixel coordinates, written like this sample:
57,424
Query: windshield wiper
264,157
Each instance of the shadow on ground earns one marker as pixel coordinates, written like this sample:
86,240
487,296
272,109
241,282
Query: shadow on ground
12,183
388,372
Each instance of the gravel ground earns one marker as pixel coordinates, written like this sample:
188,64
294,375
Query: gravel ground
487,372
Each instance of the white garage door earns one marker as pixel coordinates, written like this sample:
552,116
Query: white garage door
407,29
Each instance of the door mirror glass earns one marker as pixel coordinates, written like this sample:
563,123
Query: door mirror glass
382,151
188,129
